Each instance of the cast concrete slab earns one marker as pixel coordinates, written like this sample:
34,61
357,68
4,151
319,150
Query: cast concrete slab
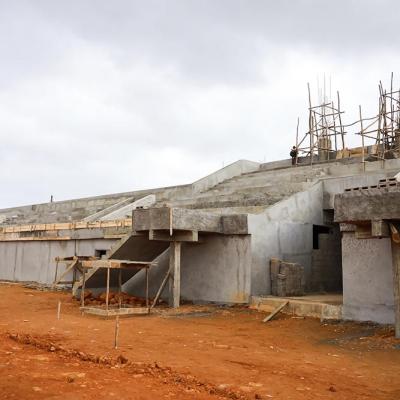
171,219
327,306
368,204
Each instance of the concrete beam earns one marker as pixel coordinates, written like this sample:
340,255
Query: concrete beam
177,236
182,219
367,205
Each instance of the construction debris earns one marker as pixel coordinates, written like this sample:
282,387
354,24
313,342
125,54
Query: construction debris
287,279
275,312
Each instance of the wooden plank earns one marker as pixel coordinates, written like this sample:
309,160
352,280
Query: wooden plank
276,311
83,289
80,258
59,226
68,269
107,287
379,228
113,312
363,232
88,275
34,239
116,264
160,289
394,233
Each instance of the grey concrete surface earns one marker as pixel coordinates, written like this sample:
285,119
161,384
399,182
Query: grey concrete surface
216,270
284,231
166,218
368,204
367,279
284,203
349,176
236,168
35,260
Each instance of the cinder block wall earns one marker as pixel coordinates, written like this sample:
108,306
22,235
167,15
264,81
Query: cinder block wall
326,264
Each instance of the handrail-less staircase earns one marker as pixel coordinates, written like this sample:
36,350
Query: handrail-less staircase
132,247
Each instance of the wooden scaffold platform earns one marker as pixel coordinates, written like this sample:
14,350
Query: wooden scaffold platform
115,266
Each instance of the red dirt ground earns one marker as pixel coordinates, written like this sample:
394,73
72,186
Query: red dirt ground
199,353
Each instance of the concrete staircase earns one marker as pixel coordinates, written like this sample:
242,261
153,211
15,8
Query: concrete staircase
270,184
260,188
132,247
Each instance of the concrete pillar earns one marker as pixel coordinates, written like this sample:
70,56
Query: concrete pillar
396,286
324,145
175,274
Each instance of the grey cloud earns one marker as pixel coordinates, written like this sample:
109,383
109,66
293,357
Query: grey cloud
106,96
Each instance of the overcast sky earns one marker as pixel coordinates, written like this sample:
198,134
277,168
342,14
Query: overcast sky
108,96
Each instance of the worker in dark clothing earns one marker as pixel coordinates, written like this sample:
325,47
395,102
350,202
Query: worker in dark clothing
293,154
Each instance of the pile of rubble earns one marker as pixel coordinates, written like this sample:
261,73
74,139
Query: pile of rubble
113,299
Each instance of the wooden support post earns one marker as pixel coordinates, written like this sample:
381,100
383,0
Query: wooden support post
175,274
276,311
161,288
55,277
107,287
83,288
396,285
147,287
119,288
362,139
116,333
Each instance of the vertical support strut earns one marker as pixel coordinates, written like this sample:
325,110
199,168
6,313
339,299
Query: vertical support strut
119,288
83,287
175,274
396,285
108,287
147,288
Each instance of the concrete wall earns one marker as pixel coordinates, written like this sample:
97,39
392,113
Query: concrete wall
354,176
284,231
216,270
367,279
33,261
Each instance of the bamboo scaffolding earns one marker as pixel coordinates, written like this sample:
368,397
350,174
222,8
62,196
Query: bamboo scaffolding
324,139
324,127
384,129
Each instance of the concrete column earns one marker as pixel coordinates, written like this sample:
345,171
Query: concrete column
396,286
175,274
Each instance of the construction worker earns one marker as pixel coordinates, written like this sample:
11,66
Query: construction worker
293,154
